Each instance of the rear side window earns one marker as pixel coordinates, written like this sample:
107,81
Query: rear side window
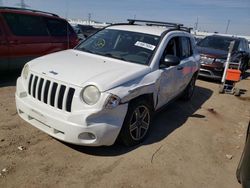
186,48
25,25
241,46
246,46
58,28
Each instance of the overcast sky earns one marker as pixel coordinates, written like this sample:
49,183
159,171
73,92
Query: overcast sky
213,15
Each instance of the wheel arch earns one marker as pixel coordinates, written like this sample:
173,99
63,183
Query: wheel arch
149,98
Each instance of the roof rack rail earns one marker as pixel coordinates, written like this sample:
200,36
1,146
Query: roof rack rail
31,10
188,29
163,24
132,21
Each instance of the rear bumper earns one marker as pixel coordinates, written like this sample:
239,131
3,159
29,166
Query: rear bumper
86,127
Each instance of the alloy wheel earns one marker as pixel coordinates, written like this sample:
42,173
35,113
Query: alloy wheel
139,122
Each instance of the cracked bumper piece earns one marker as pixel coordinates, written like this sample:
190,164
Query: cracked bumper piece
86,127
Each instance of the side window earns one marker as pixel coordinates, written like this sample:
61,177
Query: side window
241,46
25,25
246,46
58,28
186,48
172,47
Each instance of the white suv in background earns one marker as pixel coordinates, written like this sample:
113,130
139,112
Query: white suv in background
109,86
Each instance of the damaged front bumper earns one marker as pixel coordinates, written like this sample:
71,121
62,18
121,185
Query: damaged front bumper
90,127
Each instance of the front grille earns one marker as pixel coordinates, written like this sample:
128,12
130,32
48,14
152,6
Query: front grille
52,93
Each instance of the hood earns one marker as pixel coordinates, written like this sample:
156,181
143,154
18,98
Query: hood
82,68
213,53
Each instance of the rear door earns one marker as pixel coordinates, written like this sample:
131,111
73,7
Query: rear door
4,49
28,38
187,63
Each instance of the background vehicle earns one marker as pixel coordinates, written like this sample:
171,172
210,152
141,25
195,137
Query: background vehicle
88,30
26,34
84,31
122,74
243,170
214,49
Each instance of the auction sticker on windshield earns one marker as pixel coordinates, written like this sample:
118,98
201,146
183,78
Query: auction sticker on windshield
145,45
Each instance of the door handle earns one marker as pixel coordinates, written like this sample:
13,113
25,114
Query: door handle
179,68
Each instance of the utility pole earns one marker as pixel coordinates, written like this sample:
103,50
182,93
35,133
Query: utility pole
228,22
196,24
89,17
22,4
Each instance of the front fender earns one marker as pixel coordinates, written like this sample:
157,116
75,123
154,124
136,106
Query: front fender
148,84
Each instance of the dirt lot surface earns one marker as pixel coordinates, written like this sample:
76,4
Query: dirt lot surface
192,145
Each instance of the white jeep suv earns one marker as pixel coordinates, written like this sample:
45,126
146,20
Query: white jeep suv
109,86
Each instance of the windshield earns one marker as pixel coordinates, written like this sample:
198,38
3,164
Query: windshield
215,42
124,45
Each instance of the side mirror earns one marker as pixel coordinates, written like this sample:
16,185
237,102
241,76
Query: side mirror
170,60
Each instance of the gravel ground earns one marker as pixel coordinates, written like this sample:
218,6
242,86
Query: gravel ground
192,145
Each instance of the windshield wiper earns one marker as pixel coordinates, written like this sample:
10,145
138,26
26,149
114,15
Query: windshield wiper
115,57
85,50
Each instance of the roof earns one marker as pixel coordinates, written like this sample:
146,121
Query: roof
26,11
153,30
149,27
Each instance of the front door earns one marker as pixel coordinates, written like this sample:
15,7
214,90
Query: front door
170,77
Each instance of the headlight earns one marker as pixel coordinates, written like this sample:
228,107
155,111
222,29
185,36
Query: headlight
90,95
25,71
220,60
112,102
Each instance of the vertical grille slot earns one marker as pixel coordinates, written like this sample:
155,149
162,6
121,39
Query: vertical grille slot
60,97
53,94
40,89
46,90
69,99
30,82
34,87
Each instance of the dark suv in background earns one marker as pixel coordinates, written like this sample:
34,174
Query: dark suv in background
214,50
26,34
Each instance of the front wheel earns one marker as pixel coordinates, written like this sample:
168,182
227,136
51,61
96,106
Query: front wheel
136,124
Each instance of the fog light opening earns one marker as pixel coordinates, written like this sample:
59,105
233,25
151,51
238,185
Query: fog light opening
87,136
23,94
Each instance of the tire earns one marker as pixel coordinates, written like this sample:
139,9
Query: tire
189,91
137,122
243,68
